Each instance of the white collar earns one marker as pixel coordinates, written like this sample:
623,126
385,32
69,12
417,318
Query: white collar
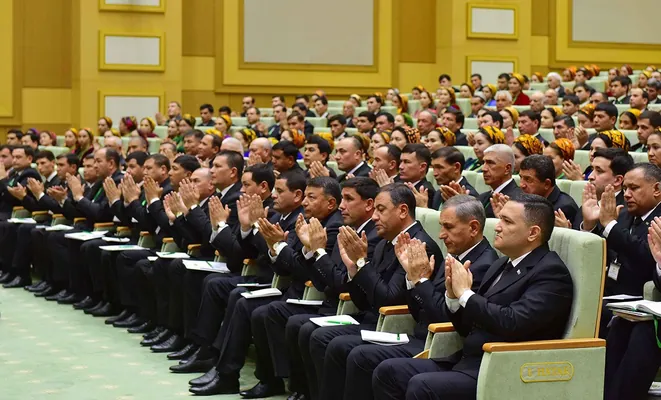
647,214
501,187
463,255
356,168
621,98
51,176
361,227
517,260
394,241
282,218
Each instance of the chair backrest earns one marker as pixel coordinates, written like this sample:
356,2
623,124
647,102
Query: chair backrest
582,158
464,106
547,134
432,180
471,177
480,185
467,151
470,123
430,220
56,150
317,122
632,135
639,157
517,179
154,144
564,185
576,191
161,131
414,105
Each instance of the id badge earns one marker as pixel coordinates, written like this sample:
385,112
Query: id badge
614,270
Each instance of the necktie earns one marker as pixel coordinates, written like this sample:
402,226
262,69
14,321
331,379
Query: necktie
637,221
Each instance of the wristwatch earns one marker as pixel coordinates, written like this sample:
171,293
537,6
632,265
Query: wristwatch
319,252
361,263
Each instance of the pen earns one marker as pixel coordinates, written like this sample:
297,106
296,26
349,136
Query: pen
339,322
398,336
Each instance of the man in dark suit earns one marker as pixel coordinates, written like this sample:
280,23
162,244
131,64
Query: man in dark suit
526,295
462,224
18,176
284,321
283,156
386,159
246,319
316,154
626,233
633,356
453,119
538,177
413,166
497,173
350,158
620,86
447,164
648,122
372,283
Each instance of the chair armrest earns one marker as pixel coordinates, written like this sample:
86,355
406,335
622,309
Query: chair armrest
37,213
58,216
18,208
144,233
441,327
308,284
543,345
103,225
168,240
345,297
650,292
394,310
195,246
123,229
79,219
423,354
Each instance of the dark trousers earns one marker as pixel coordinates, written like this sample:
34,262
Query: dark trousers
41,259
403,378
59,251
245,321
121,275
90,252
23,251
176,271
157,276
192,287
632,359
8,239
338,341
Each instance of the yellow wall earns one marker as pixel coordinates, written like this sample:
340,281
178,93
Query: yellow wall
51,79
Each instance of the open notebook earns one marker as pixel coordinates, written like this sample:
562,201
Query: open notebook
639,310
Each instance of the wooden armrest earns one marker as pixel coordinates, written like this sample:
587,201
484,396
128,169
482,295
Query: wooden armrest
36,213
543,345
423,354
123,229
394,310
216,253
249,261
168,240
309,284
18,208
145,233
194,246
57,216
79,219
345,297
104,225
441,327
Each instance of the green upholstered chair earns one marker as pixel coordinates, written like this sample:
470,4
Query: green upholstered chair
268,121
547,134
20,212
431,179
345,306
146,240
470,123
280,282
336,103
576,191
333,165
572,367
622,108
582,158
56,150
265,111
471,176
654,107
105,226
321,129
125,142
250,268
517,179
334,110
161,131
430,221
59,141
650,292
564,185
639,157
169,246
467,151
123,232
480,185
632,135
389,109
414,105
311,293
239,121
351,131
40,216
317,122
598,83
154,145
464,106
521,108
538,86
59,219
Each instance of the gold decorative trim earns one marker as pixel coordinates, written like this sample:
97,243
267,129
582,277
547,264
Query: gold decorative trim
490,6
111,93
546,372
103,66
103,6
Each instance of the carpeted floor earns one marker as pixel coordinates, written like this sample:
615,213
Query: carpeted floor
51,351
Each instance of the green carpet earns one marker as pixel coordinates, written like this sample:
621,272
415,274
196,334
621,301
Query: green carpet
51,351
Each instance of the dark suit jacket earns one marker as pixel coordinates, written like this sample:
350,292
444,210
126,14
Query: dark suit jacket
437,199
530,302
382,282
31,204
330,273
563,201
426,300
148,221
578,220
511,190
625,100
274,131
430,189
364,170
308,128
462,140
94,205
7,201
639,148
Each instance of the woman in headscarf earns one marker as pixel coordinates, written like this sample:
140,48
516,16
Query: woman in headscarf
626,70
146,129
104,125
440,137
489,91
568,74
47,138
392,92
401,136
548,116
585,116
245,136
516,83
446,99
524,146
356,100
127,125
403,119
295,136
560,150
484,137
223,125
426,104
603,140
71,139
379,139
644,76
629,119
401,102
85,143
510,117
537,77
416,91
466,91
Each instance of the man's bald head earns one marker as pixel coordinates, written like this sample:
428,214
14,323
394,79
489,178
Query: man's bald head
232,144
113,142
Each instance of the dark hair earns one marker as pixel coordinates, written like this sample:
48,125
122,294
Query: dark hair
377,98
34,137
653,116
420,150
401,194
651,171
323,100
6,146
339,118
234,160
301,107
478,75
366,188
284,108
571,98
295,114
608,108
207,106
90,156
621,161
252,99
17,132
458,115
189,163
139,156
160,160
534,116
654,83
330,186
324,146
279,97
624,80
451,155
495,117
198,134
542,165
388,116
444,76
112,155
295,180
257,111
537,210
262,173
288,148
225,109
569,121
216,141
504,75
370,116
29,151
71,158
303,97
394,152
45,154
585,86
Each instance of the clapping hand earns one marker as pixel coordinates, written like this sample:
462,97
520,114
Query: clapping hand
254,159
17,191
217,212
590,208
272,233
58,193
303,231
352,248
509,136
318,236
572,170
421,195
189,193
169,207
317,169
152,190
243,208
36,187
113,193
654,239
419,266
561,220
452,189
470,137
130,189
381,177
581,135
461,278
498,201
75,186
608,210
401,250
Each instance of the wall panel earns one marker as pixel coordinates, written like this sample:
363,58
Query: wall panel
199,28
417,40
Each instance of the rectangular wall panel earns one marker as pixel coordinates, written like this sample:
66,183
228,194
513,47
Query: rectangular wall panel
491,69
139,106
132,5
610,21
492,21
132,52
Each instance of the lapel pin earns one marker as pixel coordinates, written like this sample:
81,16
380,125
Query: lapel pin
518,272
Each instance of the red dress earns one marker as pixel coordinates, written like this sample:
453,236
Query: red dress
521,100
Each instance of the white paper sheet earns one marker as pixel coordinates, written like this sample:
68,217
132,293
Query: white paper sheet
121,247
211,266
334,320
257,294
384,338
59,227
171,254
111,239
85,236
305,302
22,221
